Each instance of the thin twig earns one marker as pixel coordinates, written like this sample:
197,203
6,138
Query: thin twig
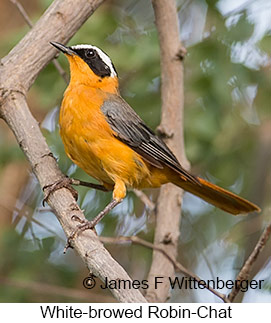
22,12
247,267
42,288
60,70
145,199
178,267
29,23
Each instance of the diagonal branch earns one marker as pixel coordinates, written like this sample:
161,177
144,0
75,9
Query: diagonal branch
246,269
22,12
171,127
18,71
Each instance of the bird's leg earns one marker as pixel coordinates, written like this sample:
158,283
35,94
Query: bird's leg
99,187
119,193
67,182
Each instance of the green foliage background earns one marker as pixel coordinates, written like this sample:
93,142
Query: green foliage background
227,136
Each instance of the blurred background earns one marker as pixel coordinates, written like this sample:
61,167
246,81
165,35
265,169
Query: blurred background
227,135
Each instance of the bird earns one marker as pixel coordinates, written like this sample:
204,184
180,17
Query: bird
107,139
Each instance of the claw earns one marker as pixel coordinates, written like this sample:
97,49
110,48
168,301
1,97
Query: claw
63,182
89,225
84,225
76,218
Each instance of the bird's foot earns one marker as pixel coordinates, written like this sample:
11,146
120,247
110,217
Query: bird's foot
83,226
89,225
63,182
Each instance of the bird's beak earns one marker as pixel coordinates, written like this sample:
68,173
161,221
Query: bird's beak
62,48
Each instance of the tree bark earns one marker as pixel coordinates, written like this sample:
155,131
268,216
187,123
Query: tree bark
168,213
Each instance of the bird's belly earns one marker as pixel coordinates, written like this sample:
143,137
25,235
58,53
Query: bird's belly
104,157
80,151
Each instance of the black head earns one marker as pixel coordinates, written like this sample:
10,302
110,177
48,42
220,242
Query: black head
96,59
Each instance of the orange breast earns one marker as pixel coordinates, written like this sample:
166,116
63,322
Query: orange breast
90,143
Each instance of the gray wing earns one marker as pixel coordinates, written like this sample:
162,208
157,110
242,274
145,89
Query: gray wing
132,130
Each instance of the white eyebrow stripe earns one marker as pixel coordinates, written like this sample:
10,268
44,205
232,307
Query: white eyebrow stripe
105,58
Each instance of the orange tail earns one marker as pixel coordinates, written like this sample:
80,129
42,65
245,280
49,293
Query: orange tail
217,196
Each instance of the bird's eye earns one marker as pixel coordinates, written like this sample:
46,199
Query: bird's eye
90,53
